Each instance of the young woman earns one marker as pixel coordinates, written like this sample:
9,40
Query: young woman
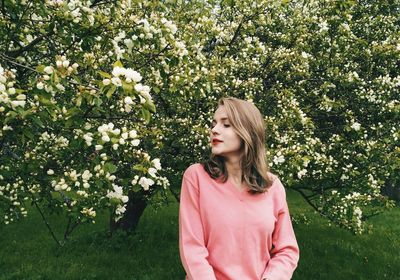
234,222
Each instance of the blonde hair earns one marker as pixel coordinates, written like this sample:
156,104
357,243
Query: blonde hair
248,123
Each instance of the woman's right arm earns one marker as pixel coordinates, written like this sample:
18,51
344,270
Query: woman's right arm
192,249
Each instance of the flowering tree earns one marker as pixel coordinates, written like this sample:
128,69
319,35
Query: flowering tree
94,95
325,76
76,120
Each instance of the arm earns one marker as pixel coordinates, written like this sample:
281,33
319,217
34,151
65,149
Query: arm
192,249
285,253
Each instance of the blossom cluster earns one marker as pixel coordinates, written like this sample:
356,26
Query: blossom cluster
108,134
10,97
347,209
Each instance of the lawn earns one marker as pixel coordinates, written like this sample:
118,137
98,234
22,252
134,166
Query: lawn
28,252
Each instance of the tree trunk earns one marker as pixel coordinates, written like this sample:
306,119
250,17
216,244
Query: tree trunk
134,209
392,190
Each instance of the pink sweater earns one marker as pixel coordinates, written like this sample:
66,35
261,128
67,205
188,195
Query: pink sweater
228,234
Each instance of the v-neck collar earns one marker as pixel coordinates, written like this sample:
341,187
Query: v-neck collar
233,186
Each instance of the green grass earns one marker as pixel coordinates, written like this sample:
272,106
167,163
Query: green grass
28,252
333,253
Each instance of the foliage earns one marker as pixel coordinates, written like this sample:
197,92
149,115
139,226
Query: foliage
94,95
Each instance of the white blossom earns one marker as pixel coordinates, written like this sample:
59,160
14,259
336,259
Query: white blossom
152,171
48,70
132,75
356,126
156,163
128,100
146,183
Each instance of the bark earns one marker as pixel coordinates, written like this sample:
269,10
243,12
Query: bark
135,207
391,190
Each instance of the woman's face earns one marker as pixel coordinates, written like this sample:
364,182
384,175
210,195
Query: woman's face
229,141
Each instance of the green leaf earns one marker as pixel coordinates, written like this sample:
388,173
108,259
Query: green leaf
98,102
27,132
136,188
26,113
127,87
109,167
11,115
77,79
18,90
174,62
56,195
40,68
139,167
73,111
111,91
69,122
146,115
115,201
38,122
208,87
44,100
150,106
78,101
104,74
118,63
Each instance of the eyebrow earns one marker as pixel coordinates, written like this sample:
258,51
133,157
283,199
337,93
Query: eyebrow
221,119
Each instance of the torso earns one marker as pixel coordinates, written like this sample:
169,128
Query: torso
240,187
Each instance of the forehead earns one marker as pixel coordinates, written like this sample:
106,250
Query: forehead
220,114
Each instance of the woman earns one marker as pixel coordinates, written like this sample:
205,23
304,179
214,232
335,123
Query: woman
234,222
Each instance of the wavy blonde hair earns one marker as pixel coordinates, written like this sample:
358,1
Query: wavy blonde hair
248,123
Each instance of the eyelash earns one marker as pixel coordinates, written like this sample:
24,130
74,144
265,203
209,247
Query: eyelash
225,125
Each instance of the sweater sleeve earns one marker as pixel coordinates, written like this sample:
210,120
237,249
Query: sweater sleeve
192,248
285,252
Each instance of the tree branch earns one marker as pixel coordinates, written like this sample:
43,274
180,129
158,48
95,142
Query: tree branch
153,57
47,223
9,59
30,45
3,9
235,35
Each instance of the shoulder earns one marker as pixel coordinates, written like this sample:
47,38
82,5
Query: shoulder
277,187
192,176
193,168
194,172
273,176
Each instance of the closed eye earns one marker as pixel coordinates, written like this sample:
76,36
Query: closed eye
225,125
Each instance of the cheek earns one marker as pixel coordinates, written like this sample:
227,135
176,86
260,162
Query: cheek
235,139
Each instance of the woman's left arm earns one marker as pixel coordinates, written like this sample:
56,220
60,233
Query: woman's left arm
285,253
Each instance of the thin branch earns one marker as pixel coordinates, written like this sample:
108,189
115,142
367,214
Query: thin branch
10,59
47,223
30,45
371,215
153,57
111,118
3,9
70,228
235,35
67,228
306,198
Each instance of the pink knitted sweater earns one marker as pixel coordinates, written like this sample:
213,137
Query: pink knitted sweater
228,234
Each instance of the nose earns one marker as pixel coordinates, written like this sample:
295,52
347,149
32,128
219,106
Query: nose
214,129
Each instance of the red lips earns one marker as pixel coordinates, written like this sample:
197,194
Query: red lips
216,141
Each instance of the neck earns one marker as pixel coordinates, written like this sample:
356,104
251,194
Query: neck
234,170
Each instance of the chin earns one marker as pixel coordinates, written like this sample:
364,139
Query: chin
215,152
